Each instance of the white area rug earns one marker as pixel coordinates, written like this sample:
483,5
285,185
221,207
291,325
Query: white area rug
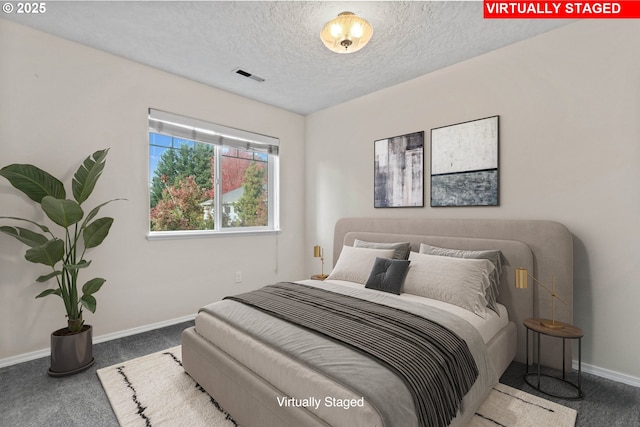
155,391
510,407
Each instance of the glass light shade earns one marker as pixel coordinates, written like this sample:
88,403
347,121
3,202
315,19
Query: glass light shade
346,33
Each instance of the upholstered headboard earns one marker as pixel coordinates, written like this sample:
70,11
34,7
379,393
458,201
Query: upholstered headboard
544,247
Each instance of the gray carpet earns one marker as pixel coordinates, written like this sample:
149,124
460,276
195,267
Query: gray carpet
606,403
29,397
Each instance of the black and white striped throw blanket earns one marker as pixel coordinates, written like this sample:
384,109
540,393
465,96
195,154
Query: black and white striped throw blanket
434,363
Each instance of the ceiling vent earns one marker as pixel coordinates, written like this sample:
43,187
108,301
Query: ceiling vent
247,74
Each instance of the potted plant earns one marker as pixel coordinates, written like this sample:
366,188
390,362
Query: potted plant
71,347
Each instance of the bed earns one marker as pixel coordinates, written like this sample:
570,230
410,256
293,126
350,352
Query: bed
262,370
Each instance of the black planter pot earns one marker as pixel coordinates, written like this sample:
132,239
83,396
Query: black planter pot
71,353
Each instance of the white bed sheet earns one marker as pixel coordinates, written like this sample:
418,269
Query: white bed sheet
487,328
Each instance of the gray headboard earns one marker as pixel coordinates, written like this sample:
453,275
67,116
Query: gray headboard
544,247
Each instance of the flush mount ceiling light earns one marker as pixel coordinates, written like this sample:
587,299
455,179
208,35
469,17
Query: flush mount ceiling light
346,33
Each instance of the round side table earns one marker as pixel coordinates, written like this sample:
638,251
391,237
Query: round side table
567,332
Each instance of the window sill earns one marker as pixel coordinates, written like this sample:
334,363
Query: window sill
198,234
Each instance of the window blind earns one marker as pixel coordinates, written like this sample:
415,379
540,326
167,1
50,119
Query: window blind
210,133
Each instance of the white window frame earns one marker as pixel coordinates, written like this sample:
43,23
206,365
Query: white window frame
219,136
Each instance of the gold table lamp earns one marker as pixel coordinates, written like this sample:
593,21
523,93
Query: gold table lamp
522,279
319,253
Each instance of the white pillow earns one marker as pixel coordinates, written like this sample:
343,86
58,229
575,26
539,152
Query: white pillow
495,256
458,281
401,249
355,264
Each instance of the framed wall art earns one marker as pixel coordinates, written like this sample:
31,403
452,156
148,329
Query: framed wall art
398,171
464,164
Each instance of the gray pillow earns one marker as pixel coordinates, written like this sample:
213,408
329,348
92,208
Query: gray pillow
457,281
387,275
495,256
355,264
400,250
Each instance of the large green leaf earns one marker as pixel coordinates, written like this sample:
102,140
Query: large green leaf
83,263
46,277
48,254
95,210
44,228
62,212
27,237
33,181
96,232
93,286
49,292
89,302
85,179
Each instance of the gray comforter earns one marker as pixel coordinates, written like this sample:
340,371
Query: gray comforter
383,389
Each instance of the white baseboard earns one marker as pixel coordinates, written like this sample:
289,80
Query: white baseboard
608,374
45,352
141,329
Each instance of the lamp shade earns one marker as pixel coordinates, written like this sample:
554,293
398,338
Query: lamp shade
522,278
317,251
346,33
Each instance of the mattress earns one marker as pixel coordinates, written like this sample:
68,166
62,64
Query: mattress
334,400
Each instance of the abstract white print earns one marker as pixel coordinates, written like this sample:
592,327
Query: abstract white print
398,171
464,164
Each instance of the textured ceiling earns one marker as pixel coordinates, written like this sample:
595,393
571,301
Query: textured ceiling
279,41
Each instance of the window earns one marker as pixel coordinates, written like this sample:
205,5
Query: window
210,179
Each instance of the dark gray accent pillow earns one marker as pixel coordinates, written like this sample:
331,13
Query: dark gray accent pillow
400,250
387,275
495,256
